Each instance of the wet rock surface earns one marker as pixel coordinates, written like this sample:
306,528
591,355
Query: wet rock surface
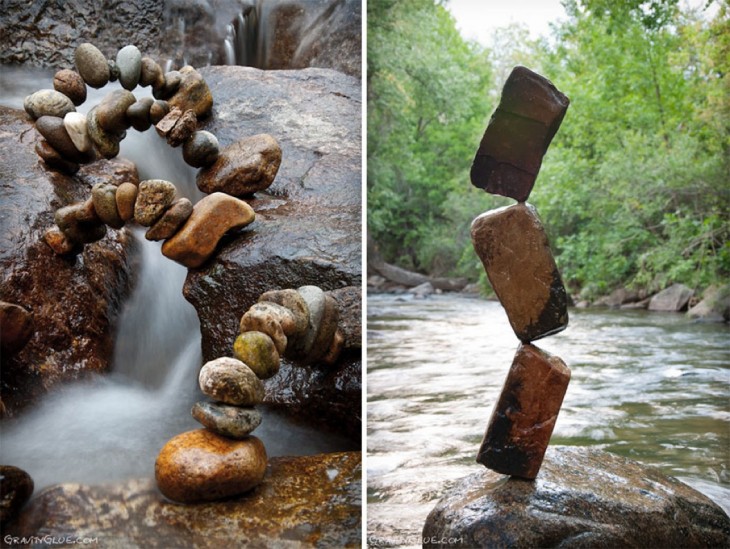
672,299
313,500
314,114
513,246
582,498
74,340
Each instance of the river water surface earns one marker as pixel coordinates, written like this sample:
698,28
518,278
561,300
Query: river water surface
653,387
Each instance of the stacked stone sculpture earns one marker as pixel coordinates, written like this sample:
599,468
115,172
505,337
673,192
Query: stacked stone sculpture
513,247
70,138
224,459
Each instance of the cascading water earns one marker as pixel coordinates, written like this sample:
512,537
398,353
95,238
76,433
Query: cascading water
112,427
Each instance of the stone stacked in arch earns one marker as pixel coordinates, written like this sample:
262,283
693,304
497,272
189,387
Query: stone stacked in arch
514,248
181,99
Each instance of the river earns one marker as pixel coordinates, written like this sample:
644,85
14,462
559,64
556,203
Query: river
649,386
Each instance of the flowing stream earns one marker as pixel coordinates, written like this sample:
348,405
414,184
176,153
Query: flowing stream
112,427
649,386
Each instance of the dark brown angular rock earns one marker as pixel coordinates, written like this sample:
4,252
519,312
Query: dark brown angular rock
523,419
513,246
510,154
165,126
584,497
183,129
16,487
16,327
78,224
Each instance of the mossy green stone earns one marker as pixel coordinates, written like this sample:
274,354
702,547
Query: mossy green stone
258,352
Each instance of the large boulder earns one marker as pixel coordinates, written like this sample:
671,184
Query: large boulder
672,300
303,501
581,498
715,305
307,228
73,301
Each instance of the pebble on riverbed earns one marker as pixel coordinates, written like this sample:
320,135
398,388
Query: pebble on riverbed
258,352
230,381
70,84
229,421
48,103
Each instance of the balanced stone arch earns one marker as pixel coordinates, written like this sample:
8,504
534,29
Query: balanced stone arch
181,98
514,249
224,459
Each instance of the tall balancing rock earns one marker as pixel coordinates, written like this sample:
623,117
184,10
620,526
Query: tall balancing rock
524,417
526,120
513,246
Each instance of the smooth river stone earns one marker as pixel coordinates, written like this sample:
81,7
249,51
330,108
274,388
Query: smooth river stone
513,246
212,217
104,196
518,135
292,300
192,93
170,84
53,159
47,103
111,112
113,70
165,126
92,65
276,321
314,297
16,327
246,166
129,62
203,466
523,419
151,73
257,351
105,142
230,381
153,198
76,127
335,349
70,84
229,421
54,130
201,149
126,197
171,220
158,111
323,339
138,114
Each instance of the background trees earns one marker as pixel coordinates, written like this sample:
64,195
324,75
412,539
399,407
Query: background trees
635,189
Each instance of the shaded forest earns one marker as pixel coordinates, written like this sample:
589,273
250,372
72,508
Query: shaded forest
635,188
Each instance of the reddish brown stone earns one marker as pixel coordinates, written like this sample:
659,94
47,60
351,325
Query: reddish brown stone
513,246
510,154
184,128
165,126
53,159
60,243
212,217
16,327
523,419
333,353
126,197
192,93
203,466
173,218
70,84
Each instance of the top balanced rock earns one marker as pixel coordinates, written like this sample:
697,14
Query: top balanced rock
510,154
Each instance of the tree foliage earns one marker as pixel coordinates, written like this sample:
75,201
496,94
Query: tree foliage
635,188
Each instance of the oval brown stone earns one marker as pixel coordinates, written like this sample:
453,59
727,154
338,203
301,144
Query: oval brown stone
203,466
258,352
153,198
70,84
92,65
16,327
48,103
54,160
126,197
243,168
104,196
138,114
212,217
105,142
159,110
53,129
151,73
292,300
272,319
111,113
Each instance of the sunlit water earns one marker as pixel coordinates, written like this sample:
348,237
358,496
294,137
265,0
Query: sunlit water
652,387
113,426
